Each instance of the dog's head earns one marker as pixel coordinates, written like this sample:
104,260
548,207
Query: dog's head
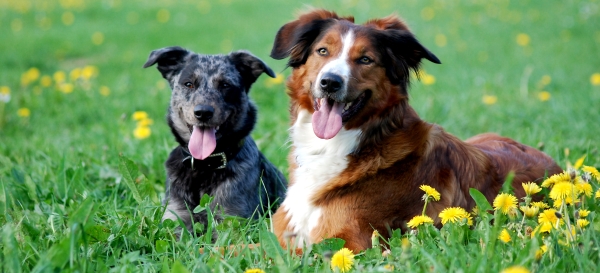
346,72
209,98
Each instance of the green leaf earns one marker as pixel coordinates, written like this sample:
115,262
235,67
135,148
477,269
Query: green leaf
271,246
129,171
11,250
83,213
98,233
56,257
480,200
330,244
205,200
3,198
161,246
179,268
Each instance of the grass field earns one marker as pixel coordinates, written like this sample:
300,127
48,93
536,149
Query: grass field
79,192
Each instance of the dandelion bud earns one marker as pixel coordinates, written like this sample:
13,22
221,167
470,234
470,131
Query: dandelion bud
586,177
375,239
573,174
528,231
558,215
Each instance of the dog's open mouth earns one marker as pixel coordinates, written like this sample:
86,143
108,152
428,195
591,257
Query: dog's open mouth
203,141
329,115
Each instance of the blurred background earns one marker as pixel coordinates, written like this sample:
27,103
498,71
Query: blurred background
73,90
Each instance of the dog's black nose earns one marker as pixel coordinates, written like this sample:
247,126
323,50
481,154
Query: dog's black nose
203,112
331,83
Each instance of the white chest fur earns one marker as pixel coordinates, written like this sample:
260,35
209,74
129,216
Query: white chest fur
318,161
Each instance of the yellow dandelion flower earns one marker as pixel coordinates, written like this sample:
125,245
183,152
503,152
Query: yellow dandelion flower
419,220
504,236
595,79
279,79
23,112
505,202
441,40
59,76
75,74
46,81
254,270
531,188
163,16
427,79
548,216
145,122
489,99
561,191
388,267
582,223
529,211
4,94
68,18
540,252
455,214
97,38
544,96
66,88
139,115
540,205
545,80
560,177
30,76
593,171
430,192
427,13
523,39
583,213
515,269
88,72
597,194
142,132
579,163
567,201
104,91
343,260
584,188
545,227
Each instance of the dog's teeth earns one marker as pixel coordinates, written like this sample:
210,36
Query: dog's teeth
347,106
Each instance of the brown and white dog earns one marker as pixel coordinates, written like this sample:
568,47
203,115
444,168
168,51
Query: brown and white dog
359,151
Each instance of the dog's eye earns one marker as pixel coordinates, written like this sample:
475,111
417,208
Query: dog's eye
365,60
323,51
225,85
189,85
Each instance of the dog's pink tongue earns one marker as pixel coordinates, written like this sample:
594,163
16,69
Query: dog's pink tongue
327,121
202,142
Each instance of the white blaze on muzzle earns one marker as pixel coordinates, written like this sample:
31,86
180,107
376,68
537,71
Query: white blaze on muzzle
327,119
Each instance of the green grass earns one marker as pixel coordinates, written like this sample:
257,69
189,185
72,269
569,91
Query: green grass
69,171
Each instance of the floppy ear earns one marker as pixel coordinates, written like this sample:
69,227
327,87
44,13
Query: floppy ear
170,60
404,53
249,66
295,38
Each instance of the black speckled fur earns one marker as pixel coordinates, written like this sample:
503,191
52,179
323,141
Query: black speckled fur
249,185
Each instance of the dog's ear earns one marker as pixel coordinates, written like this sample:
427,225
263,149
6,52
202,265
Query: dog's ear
249,66
170,60
295,38
402,53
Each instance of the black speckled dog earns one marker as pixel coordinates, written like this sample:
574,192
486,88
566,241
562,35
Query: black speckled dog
211,117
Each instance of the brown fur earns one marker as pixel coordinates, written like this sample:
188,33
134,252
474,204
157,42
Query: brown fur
379,189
